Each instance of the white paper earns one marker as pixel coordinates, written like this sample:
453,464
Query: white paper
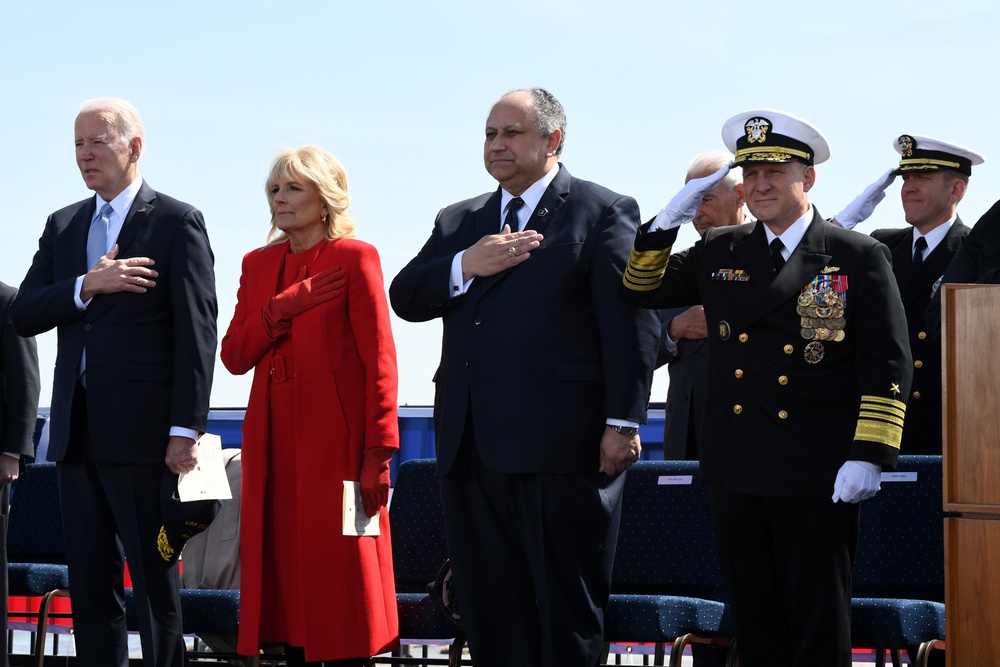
208,480
356,522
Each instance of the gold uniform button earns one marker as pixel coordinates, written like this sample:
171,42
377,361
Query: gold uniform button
918,364
789,349
922,335
782,414
916,394
782,380
744,338
738,373
738,409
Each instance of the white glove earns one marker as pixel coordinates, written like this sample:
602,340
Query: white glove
864,204
856,481
685,203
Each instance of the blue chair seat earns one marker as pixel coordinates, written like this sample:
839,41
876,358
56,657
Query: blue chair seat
203,611
662,618
36,578
896,622
420,617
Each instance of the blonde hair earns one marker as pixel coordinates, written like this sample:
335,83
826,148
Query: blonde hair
327,175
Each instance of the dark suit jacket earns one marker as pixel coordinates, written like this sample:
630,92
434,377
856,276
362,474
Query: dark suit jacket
543,353
922,430
20,384
779,425
149,356
977,260
19,387
686,392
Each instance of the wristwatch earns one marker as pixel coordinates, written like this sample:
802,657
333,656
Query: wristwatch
624,430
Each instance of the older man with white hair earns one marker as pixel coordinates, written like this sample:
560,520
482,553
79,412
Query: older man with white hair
126,278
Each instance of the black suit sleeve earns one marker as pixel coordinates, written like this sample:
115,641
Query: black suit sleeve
20,383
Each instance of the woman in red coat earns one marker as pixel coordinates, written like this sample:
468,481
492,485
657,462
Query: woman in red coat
312,321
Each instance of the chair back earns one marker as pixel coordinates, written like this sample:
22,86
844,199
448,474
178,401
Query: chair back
35,528
666,544
901,545
418,538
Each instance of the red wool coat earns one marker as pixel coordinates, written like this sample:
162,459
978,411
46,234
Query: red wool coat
344,374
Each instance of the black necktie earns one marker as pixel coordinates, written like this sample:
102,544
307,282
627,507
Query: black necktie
512,207
918,253
776,258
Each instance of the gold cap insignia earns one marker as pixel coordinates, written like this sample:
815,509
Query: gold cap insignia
906,145
757,129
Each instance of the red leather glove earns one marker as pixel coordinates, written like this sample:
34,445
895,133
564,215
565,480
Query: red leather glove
375,479
300,296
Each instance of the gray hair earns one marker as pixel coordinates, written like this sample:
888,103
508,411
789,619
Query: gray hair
120,115
549,113
712,161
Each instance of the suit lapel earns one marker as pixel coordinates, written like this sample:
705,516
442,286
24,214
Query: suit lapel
141,209
805,262
80,229
552,200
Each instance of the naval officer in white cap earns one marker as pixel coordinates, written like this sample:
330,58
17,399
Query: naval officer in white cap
935,177
809,374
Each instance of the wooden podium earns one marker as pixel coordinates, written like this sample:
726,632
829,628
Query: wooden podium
971,465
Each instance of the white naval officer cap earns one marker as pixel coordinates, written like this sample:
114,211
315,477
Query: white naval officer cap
769,135
920,154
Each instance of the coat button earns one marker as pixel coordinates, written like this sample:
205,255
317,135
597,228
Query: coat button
466,364
738,373
916,394
918,364
738,409
789,349
477,322
87,327
782,379
922,335
782,414
744,338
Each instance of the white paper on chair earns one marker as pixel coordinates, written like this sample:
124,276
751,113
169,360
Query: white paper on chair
208,480
356,522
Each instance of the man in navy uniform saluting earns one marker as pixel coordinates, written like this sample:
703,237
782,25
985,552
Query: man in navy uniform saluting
809,373
935,177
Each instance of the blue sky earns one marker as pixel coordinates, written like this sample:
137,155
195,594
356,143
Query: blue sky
399,91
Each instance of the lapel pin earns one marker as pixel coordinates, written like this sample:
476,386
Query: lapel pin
543,212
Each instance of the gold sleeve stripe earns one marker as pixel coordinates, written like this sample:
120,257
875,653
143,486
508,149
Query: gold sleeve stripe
645,269
892,419
881,420
880,432
884,401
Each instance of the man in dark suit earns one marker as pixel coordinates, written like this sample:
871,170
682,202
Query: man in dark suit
544,377
977,260
19,397
127,280
809,373
684,334
935,177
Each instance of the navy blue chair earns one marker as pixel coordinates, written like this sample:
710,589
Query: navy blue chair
36,549
203,611
898,585
667,586
419,549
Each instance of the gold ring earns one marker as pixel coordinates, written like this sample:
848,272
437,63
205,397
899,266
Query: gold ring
512,251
